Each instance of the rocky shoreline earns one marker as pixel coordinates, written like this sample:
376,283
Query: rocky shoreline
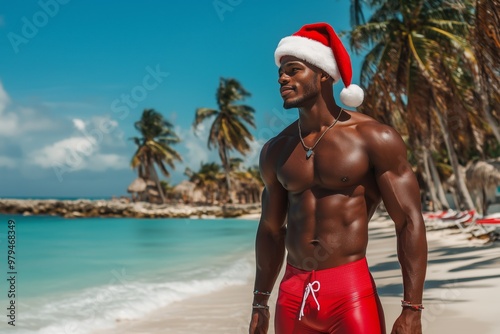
121,208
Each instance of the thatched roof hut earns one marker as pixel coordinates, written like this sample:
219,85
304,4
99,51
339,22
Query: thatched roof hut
483,178
185,187
137,186
483,174
187,191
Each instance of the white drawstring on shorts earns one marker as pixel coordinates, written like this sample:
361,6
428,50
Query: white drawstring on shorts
309,290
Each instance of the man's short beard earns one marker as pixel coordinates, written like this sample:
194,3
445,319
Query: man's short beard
309,92
294,103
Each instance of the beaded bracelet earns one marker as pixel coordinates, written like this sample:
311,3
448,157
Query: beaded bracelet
257,292
416,307
259,306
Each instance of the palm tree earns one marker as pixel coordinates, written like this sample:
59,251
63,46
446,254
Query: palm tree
168,190
228,131
250,184
154,147
208,179
419,75
486,42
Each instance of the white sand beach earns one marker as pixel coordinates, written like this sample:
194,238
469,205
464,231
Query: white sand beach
461,294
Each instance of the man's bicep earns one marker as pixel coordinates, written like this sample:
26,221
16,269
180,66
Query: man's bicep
400,194
274,196
397,183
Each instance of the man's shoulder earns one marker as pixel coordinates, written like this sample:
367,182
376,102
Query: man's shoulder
381,141
271,151
363,122
372,130
281,138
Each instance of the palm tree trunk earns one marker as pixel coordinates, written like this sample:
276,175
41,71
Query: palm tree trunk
489,117
156,180
437,183
455,198
485,30
228,184
484,93
227,169
485,201
464,197
436,205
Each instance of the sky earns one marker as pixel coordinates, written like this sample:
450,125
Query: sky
75,75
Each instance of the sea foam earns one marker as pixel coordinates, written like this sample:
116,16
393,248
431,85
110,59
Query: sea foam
101,307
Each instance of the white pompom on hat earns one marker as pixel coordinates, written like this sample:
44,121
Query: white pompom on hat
318,44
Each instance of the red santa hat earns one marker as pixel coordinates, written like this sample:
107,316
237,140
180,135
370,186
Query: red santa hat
318,44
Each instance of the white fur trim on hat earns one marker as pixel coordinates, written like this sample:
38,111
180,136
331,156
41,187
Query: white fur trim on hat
352,96
309,50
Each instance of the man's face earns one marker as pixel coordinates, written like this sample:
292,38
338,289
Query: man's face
299,82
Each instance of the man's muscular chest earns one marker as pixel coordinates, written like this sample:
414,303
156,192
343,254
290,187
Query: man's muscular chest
337,163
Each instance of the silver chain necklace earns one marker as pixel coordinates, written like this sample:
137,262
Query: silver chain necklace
309,150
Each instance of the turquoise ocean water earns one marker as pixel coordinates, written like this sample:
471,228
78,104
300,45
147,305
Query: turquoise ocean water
79,275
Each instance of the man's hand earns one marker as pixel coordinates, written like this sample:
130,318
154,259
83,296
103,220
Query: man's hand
409,322
260,321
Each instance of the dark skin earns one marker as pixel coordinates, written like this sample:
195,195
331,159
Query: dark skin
318,209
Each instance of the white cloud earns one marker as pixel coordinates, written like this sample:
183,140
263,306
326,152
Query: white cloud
198,152
83,149
101,162
43,140
8,121
101,130
79,124
9,125
7,162
33,121
70,151
16,121
196,145
252,157
78,153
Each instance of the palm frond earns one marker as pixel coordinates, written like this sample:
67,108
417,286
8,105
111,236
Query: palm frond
357,15
203,113
367,34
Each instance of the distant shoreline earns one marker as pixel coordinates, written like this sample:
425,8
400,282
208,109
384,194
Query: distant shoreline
121,208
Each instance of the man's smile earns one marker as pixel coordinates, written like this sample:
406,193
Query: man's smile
285,90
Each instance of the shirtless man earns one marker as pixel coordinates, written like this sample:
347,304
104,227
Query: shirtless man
324,176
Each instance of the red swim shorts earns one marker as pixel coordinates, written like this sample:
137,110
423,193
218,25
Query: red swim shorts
339,300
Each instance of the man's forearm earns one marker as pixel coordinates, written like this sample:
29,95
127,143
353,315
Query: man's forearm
412,255
269,253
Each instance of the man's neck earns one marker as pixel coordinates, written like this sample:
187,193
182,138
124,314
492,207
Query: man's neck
322,113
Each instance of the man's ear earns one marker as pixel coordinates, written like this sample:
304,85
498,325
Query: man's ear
324,76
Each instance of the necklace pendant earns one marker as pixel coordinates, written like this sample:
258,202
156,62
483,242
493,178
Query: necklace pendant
309,153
